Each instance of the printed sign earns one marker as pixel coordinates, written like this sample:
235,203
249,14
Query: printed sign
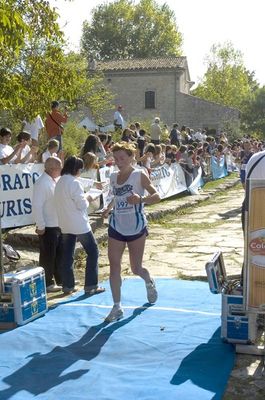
16,183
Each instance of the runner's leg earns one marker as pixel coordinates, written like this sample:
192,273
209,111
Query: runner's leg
136,252
115,252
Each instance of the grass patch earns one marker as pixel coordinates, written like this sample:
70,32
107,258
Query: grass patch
185,209
166,222
201,225
214,184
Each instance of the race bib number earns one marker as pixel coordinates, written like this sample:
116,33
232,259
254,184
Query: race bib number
123,207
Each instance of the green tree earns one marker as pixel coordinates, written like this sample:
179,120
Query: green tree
34,69
123,29
12,27
24,25
74,139
226,80
253,117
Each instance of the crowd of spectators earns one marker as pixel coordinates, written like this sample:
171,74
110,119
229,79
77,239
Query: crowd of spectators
62,181
190,148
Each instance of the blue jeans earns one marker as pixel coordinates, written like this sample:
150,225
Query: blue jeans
91,248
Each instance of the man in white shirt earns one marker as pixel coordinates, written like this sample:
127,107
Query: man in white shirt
155,131
198,135
46,219
118,119
34,127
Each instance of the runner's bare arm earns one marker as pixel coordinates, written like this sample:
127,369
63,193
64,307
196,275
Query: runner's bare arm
153,196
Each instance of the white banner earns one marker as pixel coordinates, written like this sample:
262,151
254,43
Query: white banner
16,182
197,183
104,174
168,180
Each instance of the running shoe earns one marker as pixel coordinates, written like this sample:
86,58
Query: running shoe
151,291
115,314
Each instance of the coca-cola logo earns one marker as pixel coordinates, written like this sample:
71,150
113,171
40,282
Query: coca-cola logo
257,245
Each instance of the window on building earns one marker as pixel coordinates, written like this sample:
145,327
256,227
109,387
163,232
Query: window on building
149,99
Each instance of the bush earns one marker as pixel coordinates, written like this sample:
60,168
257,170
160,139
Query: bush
74,138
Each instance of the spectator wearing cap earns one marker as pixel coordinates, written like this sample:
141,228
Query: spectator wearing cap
54,121
155,131
118,119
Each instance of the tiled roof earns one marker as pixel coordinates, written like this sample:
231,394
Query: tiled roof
141,64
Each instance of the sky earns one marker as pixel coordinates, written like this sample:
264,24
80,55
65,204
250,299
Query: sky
202,24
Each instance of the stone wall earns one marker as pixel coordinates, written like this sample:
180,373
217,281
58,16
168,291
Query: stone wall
198,113
130,91
173,104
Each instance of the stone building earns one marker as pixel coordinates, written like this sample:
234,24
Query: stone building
161,87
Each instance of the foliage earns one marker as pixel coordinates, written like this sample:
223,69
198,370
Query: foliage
116,136
226,80
62,77
232,129
12,27
74,138
34,21
122,29
253,118
34,70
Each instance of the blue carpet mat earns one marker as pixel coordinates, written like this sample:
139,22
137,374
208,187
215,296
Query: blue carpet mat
171,350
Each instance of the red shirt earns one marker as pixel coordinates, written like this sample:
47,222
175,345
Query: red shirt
53,123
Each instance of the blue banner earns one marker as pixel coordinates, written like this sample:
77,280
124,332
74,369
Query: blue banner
218,167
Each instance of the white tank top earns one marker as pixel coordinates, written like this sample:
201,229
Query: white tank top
127,219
